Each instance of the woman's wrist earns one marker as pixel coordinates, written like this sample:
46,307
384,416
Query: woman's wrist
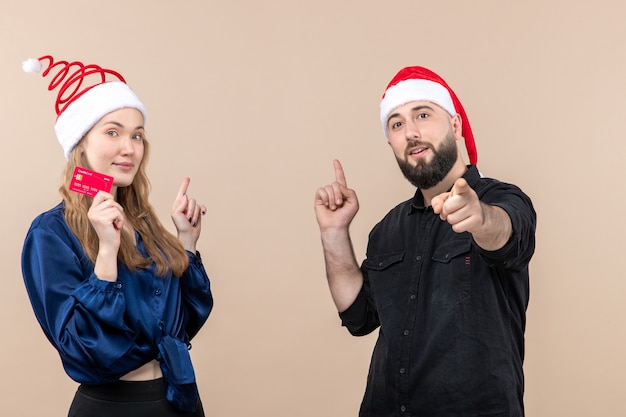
188,243
105,267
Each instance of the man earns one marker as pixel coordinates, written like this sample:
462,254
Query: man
445,278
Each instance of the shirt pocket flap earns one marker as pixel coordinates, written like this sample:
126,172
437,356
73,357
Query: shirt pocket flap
384,261
450,250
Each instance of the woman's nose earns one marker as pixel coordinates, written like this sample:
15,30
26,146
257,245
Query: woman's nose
127,146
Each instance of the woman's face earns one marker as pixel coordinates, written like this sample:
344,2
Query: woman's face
115,146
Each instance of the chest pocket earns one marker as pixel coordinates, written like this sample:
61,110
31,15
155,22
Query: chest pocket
383,275
451,275
382,262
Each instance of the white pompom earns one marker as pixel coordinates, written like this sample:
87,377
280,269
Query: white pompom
32,65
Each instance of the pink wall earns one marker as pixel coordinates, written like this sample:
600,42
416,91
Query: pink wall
253,100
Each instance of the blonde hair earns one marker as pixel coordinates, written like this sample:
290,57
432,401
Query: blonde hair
163,248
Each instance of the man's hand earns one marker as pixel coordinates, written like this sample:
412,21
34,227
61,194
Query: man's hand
460,207
335,207
489,225
336,204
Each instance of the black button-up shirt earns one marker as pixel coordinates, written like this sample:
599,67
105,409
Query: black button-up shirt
451,315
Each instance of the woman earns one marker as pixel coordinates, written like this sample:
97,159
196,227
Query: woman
117,295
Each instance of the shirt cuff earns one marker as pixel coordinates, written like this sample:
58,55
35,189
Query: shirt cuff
353,315
194,258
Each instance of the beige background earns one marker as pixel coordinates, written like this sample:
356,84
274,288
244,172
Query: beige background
254,99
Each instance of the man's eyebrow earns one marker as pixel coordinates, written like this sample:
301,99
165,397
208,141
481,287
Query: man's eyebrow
422,106
416,108
391,116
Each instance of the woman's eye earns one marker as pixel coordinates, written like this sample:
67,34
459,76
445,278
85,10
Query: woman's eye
111,133
138,137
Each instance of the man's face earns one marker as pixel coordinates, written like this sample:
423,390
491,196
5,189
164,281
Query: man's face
423,138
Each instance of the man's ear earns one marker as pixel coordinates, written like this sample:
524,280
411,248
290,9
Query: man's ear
457,126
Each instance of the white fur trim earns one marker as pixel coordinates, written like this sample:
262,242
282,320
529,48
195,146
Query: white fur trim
88,109
32,65
414,90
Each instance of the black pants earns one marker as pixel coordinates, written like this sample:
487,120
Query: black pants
126,399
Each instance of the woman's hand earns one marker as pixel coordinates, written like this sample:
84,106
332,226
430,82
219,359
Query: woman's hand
187,217
107,218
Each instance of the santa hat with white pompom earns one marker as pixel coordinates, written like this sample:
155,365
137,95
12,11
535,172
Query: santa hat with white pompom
86,94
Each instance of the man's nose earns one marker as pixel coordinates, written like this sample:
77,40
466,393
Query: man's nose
411,130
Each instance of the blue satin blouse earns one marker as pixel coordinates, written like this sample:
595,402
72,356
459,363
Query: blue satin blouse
103,330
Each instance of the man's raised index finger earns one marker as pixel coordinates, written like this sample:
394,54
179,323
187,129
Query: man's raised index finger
339,175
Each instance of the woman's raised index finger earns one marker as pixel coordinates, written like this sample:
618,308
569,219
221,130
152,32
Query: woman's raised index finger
183,187
339,175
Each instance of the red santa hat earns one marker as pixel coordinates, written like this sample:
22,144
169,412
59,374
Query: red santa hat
421,84
86,94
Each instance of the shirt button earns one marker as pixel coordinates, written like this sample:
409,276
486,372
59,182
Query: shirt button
418,258
119,285
157,291
406,332
402,370
402,408
413,297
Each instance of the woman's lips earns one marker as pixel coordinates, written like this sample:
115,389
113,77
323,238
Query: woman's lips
126,166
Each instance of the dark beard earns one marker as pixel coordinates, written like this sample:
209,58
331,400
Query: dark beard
427,175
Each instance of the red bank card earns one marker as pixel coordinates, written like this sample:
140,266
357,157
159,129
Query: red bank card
88,182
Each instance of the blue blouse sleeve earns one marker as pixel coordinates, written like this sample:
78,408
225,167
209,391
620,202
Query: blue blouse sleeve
196,295
81,315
